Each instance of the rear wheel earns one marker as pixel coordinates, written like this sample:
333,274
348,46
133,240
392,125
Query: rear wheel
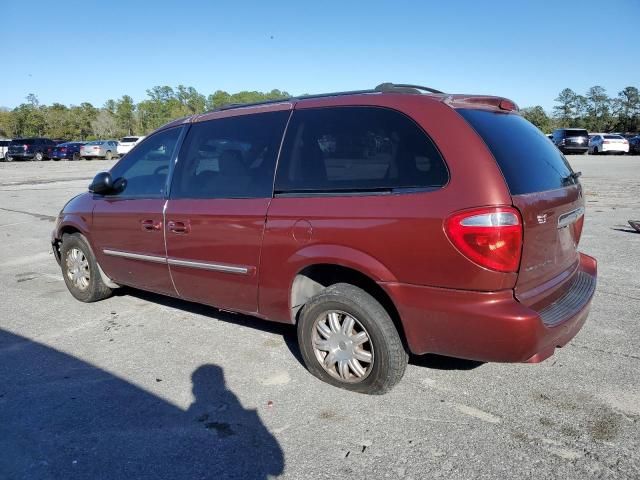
348,340
38,157
80,270
8,158
75,156
108,155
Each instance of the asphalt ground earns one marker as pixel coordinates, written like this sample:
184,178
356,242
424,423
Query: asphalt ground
142,386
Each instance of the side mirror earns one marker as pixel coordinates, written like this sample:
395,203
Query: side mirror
102,183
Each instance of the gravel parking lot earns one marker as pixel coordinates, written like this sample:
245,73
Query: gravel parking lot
142,386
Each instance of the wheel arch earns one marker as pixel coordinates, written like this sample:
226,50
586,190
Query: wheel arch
316,277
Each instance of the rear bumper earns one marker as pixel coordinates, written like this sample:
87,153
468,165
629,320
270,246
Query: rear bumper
487,326
574,148
615,148
21,155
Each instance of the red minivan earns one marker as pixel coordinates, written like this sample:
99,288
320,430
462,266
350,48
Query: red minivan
380,222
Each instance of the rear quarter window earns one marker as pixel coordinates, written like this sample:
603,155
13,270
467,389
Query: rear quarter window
357,149
529,161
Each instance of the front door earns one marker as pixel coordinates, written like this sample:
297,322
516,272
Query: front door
128,227
215,217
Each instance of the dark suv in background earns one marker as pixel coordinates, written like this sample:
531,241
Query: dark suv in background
35,148
571,140
379,222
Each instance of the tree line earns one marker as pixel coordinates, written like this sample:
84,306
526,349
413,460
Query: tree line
117,118
595,111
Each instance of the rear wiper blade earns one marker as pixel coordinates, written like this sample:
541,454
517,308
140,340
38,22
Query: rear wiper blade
572,176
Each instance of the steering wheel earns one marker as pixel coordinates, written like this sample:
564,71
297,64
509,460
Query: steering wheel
160,168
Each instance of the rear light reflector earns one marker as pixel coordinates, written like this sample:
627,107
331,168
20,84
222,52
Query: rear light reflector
490,237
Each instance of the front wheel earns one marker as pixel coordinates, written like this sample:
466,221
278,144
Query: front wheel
80,270
38,157
348,340
108,155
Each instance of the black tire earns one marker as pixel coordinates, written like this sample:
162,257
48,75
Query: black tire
75,156
95,289
108,155
389,357
595,150
38,157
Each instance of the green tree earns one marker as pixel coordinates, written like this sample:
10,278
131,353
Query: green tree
125,113
598,115
538,117
565,112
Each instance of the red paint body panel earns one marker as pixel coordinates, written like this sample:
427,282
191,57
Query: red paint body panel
117,225
486,326
402,235
550,255
222,231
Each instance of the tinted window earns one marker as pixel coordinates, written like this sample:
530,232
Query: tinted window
230,158
614,137
22,141
346,149
575,133
145,169
4,143
529,162
129,139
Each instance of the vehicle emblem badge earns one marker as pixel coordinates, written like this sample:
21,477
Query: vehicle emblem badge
542,218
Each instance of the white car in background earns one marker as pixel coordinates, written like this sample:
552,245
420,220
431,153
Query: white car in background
4,146
127,143
608,143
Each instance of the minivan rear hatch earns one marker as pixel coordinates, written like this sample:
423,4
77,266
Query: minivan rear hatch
546,191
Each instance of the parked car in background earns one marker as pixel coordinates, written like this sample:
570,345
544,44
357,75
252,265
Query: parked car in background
106,149
571,140
357,218
127,143
67,151
634,145
608,143
4,146
33,148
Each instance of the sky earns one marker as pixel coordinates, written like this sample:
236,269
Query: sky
78,51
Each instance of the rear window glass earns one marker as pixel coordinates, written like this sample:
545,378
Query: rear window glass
94,143
357,149
613,137
23,141
528,160
4,143
576,133
129,139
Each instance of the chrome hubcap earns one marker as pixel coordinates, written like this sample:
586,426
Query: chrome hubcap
342,346
78,268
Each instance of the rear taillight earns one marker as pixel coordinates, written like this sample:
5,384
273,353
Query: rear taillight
490,237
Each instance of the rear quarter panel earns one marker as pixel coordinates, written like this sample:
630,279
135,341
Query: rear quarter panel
390,238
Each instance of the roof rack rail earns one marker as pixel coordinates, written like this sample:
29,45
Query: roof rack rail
404,88
382,88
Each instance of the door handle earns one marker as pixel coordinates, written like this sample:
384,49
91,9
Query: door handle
179,227
150,225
